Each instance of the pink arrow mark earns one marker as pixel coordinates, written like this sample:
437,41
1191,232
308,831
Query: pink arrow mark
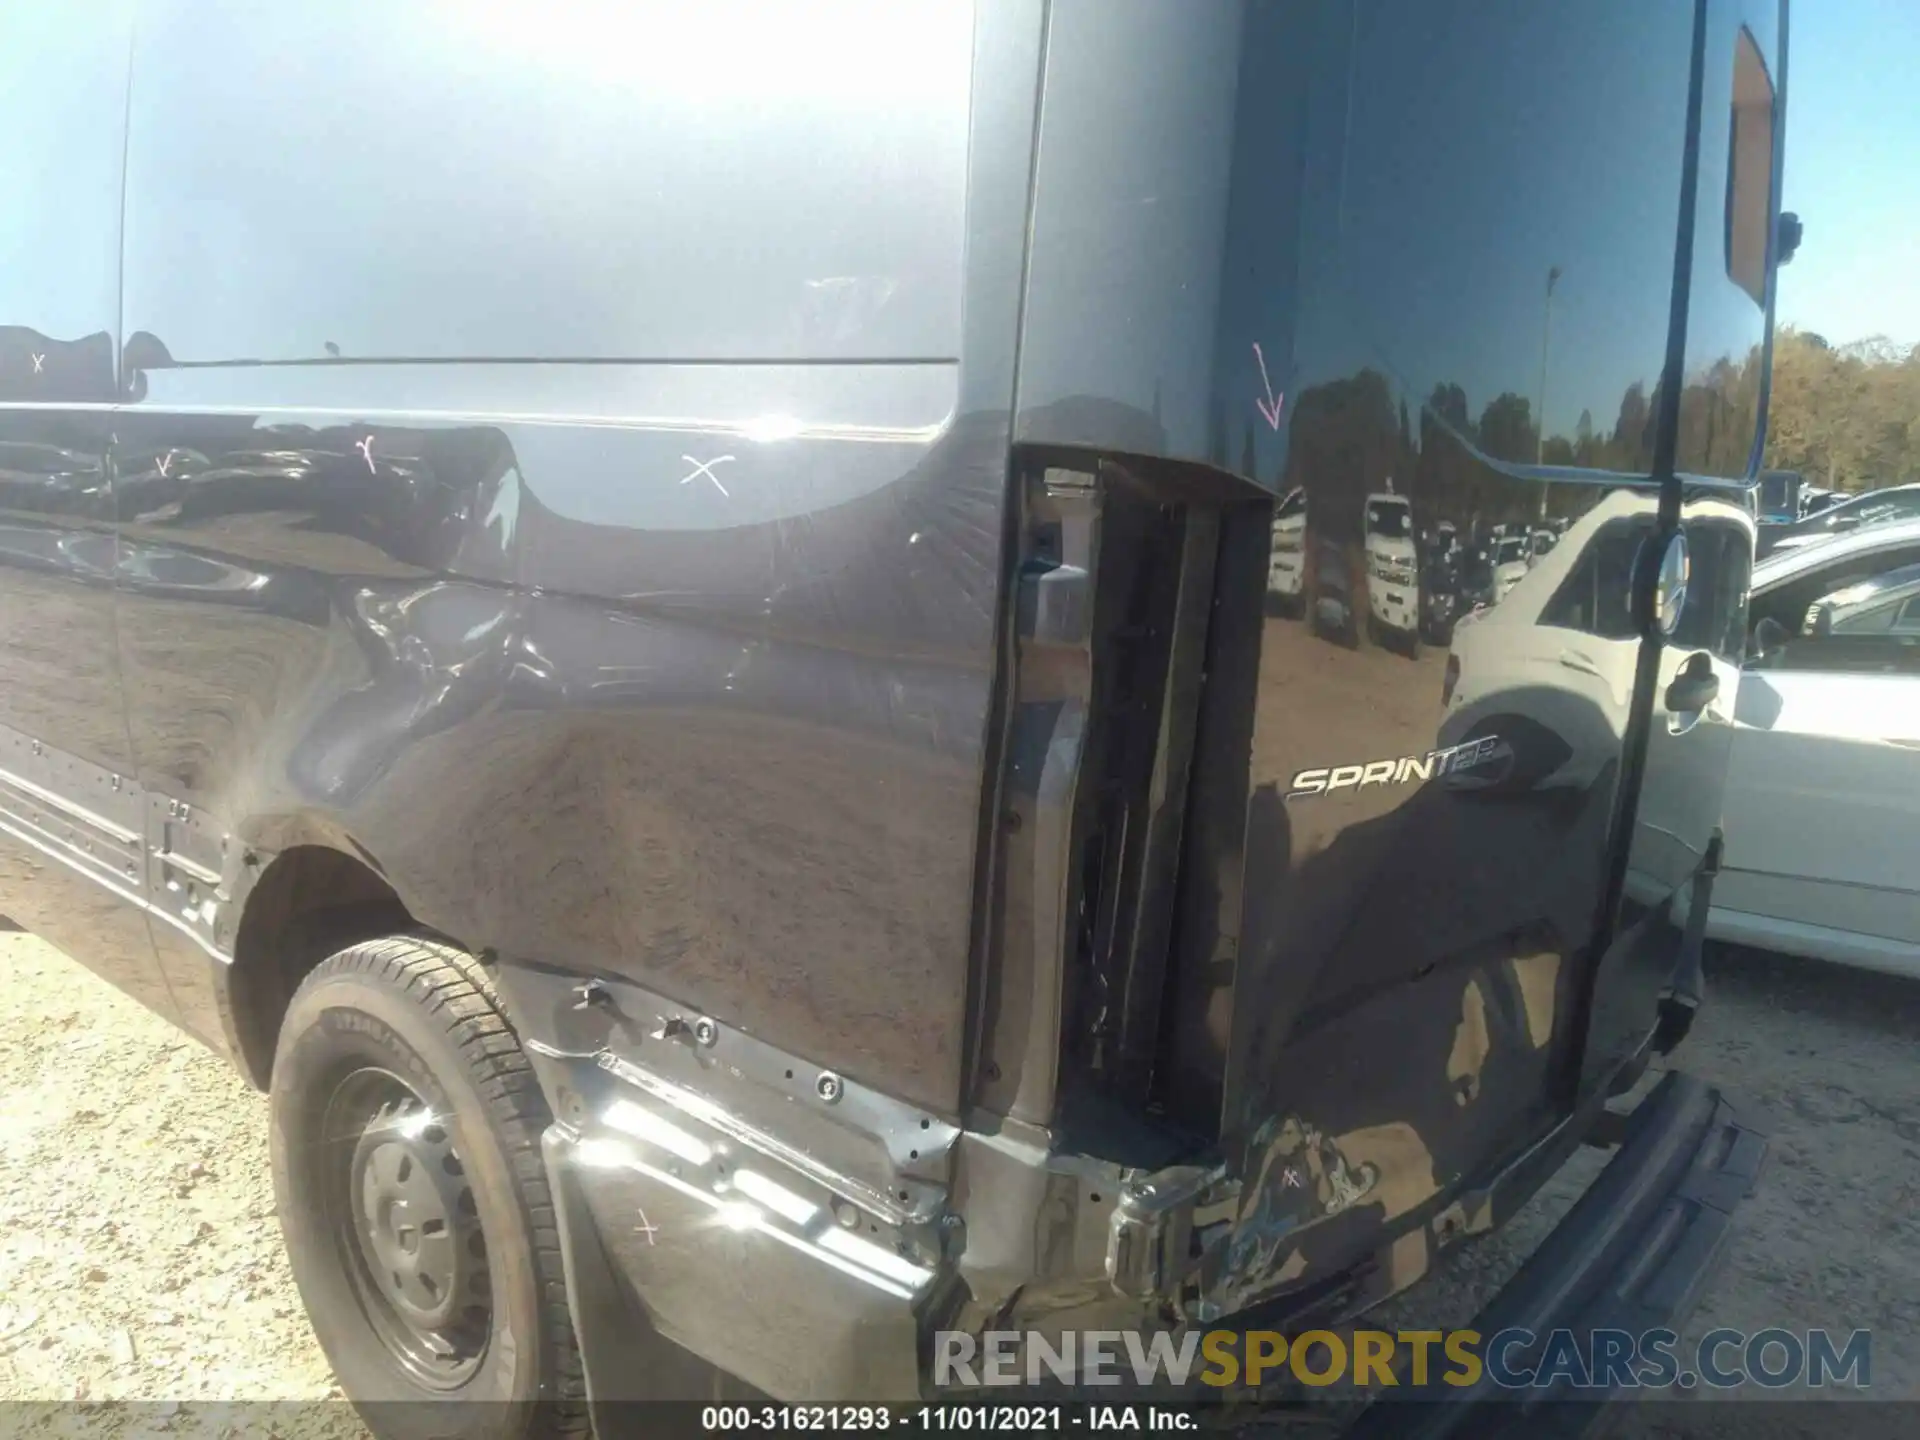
1269,408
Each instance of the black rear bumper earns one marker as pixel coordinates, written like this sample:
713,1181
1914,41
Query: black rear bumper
1633,1254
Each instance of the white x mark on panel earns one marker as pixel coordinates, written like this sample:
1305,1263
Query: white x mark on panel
38,361
705,468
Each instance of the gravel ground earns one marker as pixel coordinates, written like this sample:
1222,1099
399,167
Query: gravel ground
139,1255
1826,1059
140,1260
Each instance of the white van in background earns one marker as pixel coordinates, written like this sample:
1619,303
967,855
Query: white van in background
1287,560
1512,557
1393,572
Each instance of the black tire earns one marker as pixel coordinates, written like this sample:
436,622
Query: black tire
381,1021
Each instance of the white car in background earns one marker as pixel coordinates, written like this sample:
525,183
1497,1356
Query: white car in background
1512,556
1849,515
1823,796
1393,572
1550,671
1287,560
1558,654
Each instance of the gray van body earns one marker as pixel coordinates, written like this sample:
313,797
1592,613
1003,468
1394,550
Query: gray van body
754,522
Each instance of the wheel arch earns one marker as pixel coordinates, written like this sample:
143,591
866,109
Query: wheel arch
308,901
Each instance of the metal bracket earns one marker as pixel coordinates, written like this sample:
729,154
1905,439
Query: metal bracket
1150,1237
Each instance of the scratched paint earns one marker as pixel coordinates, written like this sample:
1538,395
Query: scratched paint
1303,1178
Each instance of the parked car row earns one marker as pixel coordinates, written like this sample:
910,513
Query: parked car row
1419,578
1823,514
1822,715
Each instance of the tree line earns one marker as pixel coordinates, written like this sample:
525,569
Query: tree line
1845,417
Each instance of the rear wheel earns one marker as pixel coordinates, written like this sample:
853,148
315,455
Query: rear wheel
407,1168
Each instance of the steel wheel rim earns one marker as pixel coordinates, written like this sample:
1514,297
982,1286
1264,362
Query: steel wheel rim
405,1227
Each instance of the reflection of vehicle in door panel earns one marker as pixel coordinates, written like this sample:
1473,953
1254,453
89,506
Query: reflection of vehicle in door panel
86,558
160,570
1551,671
1849,513
1440,588
1690,735
1557,655
1778,497
1393,572
740,798
1287,561
1883,605
1333,603
167,572
1821,831
48,478
1511,557
1477,588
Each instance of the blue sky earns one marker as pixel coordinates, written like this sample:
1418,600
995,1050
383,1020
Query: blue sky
1853,169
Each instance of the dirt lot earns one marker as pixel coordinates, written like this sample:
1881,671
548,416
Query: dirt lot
140,1260
139,1255
1832,1238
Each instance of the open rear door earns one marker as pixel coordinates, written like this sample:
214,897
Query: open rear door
1494,261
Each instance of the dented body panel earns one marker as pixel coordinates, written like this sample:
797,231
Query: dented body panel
954,854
